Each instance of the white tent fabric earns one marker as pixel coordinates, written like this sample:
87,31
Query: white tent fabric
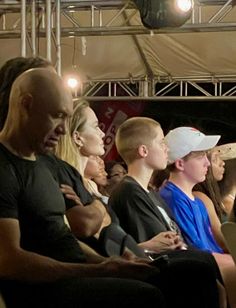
172,55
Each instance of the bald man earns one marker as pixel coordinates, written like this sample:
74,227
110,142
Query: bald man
41,262
38,107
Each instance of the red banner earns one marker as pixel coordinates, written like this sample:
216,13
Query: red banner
110,116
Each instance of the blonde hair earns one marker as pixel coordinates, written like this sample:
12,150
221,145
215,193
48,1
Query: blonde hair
133,133
67,149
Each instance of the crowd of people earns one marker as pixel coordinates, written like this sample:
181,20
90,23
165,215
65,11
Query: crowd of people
77,230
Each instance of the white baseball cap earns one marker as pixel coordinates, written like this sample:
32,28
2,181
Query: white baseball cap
183,140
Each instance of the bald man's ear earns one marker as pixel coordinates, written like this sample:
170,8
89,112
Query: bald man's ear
27,101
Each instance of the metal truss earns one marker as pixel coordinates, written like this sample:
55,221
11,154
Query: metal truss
55,19
158,90
97,23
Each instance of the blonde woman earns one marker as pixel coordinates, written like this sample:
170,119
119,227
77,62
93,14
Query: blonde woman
83,139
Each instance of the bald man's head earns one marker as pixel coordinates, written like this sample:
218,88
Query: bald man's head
8,74
39,105
41,84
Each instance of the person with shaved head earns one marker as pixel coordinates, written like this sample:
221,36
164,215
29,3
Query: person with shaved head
39,106
41,262
10,70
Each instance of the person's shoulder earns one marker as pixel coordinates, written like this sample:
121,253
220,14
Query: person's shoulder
170,189
5,154
48,159
54,162
174,196
122,189
159,199
7,167
127,191
6,158
71,171
128,185
203,200
202,196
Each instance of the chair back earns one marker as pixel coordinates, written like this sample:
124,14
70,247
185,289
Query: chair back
229,231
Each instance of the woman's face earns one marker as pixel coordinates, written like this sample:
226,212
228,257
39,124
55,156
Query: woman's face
101,178
117,173
95,170
92,168
217,165
91,137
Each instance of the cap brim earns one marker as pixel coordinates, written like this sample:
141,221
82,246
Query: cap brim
226,151
207,143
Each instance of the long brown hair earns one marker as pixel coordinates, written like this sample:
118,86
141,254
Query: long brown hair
210,187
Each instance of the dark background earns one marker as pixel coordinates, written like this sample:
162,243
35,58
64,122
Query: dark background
214,117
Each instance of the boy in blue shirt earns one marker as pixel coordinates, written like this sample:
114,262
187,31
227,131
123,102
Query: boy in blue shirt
188,166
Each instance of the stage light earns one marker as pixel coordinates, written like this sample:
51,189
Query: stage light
72,82
157,14
184,5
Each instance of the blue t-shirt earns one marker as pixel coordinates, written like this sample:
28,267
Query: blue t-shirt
191,217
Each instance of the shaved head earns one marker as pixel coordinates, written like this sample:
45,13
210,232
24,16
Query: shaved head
42,84
8,74
39,105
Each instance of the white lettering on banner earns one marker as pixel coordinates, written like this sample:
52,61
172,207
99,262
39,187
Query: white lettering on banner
109,112
109,139
102,126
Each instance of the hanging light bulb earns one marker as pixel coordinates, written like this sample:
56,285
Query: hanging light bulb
72,82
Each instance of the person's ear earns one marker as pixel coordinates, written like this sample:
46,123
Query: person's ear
143,150
179,164
77,139
27,101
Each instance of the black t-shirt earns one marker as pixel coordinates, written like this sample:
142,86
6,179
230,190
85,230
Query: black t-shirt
137,210
30,194
64,173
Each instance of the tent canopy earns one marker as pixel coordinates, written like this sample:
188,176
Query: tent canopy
105,40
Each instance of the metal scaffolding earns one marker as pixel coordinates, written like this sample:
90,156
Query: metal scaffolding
29,20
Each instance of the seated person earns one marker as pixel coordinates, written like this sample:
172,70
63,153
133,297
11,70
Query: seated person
228,184
139,211
115,170
95,173
187,153
189,166
208,191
